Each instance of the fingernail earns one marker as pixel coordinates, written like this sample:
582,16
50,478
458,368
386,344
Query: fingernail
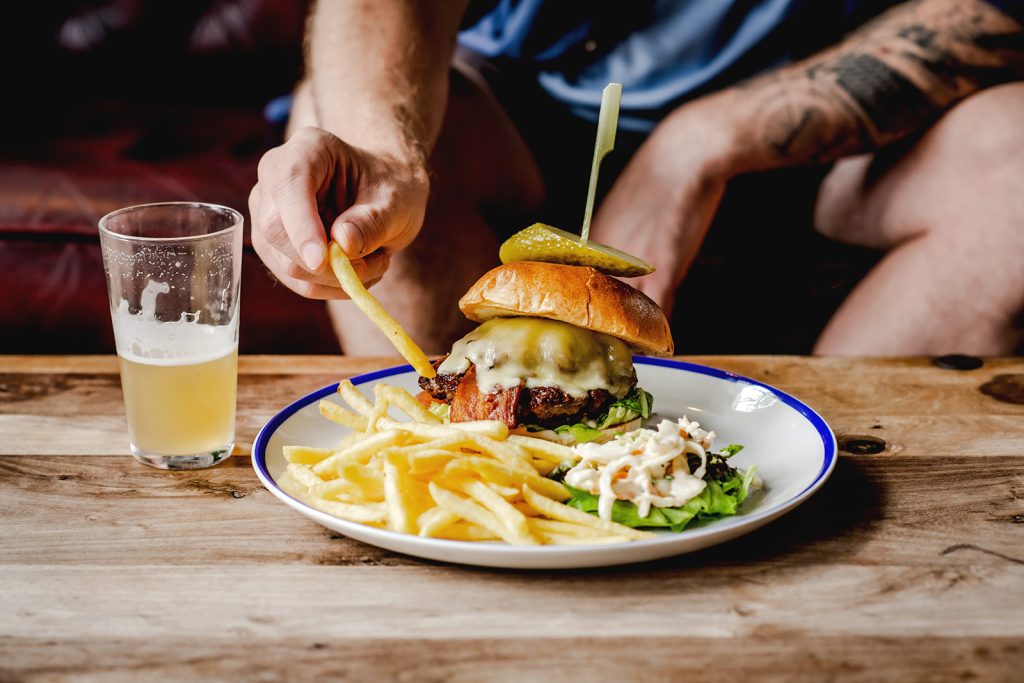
353,239
313,254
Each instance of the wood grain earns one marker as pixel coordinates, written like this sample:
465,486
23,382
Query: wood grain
908,565
110,511
913,406
768,658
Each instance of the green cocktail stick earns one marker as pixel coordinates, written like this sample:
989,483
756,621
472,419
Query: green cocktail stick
607,122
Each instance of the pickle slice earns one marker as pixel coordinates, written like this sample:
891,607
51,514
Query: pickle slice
541,242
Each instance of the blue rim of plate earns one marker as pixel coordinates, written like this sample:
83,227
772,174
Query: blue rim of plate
828,440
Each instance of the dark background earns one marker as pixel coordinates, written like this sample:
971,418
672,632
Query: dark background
110,104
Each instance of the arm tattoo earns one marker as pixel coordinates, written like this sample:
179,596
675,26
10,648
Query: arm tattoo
891,78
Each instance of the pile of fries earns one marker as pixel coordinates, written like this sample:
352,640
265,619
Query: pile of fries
466,481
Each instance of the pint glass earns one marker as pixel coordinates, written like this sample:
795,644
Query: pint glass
173,282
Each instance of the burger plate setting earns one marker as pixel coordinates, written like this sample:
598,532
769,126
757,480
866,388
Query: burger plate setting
552,362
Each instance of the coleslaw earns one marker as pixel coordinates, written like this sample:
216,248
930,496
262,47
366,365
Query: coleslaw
663,477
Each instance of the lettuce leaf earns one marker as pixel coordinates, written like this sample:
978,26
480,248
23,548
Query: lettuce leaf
637,404
441,411
718,499
580,432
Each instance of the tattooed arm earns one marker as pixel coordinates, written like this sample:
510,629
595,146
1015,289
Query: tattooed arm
889,79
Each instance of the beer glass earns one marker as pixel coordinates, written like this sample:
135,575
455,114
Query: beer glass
173,282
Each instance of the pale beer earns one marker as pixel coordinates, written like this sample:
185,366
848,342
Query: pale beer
173,276
180,406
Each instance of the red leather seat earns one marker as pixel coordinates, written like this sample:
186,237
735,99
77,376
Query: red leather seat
134,102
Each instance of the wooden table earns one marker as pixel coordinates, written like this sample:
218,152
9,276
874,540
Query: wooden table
908,565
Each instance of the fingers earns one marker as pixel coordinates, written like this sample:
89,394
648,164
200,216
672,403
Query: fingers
307,178
322,284
292,175
384,216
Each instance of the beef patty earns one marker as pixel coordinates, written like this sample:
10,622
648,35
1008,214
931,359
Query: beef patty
544,406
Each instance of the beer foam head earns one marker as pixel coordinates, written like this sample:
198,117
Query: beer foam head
142,338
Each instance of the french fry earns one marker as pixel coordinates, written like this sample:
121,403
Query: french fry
354,398
335,413
553,526
404,401
513,521
510,455
367,481
369,305
525,508
429,460
403,495
543,467
292,487
364,513
305,455
348,440
564,513
449,443
337,489
469,511
545,450
358,451
507,492
303,475
493,471
467,531
379,410
467,481
435,521
490,428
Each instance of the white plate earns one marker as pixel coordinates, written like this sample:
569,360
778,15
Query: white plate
792,446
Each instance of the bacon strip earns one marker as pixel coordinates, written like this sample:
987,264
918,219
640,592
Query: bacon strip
469,403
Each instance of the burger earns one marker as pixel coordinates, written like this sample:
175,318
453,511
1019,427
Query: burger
553,355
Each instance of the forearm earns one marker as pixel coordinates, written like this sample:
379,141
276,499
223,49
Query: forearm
379,71
889,79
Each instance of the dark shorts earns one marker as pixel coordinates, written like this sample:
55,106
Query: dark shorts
765,280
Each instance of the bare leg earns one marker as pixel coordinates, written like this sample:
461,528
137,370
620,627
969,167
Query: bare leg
951,214
480,161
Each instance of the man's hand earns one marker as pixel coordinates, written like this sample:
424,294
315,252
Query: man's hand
372,204
661,206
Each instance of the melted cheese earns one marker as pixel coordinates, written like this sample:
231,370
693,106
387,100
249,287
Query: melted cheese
543,353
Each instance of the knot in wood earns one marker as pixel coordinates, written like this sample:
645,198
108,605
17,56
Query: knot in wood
861,445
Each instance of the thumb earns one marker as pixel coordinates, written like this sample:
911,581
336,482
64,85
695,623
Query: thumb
363,228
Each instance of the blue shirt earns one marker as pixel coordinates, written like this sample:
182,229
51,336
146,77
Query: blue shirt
662,51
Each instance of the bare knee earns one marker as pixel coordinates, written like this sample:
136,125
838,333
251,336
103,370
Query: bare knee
960,180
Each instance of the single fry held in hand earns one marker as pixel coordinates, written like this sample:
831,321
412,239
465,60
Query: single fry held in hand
468,481
369,305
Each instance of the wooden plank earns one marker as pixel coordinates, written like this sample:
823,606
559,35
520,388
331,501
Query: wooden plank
936,513
107,433
769,658
907,564
913,407
264,600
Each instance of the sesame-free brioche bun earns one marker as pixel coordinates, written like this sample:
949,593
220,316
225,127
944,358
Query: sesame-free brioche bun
577,295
